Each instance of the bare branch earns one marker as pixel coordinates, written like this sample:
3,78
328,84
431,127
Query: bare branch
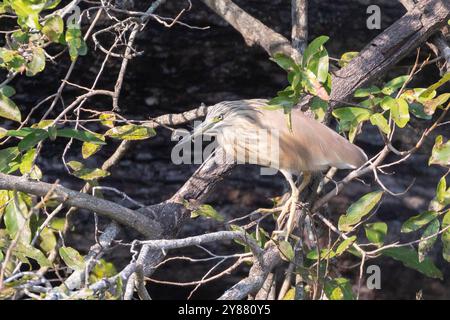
253,30
299,34
109,209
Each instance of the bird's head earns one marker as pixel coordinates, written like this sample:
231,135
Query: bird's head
226,115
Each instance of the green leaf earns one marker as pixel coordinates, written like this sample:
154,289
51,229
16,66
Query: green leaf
286,250
47,240
339,289
324,254
37,63
207,211
445,237
8,109
394,84
72,258
418,111
15,219
410,259
358,210
28,12
352,113
319,65
27,167
319,107
441,152
80,135
376,232
290,295
344,245
416,222
425,244
430,106
33,253
313,85
87,174
441,190
433,87
53,28
32,139
314,47
107,119
102,270
4,198
7,91
285,62
75,42
347,57
131,132
377,119
367,92
400,112
6,157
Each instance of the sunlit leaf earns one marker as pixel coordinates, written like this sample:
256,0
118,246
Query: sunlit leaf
377,119
285,62
339,289
131,132
8,109
394,84
37,63
347,57
441,152
431,105
33,253
72,258
416,222
344,245
433,87
313,48
376,232
87,174
286,250
16,220
107,119
358,210
207,211
53,28
28,167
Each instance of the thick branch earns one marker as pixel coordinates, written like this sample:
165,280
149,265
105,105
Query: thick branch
438,40
253,30
389,47
257,275
106,208
299,27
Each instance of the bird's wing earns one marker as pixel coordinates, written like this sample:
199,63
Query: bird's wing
311,146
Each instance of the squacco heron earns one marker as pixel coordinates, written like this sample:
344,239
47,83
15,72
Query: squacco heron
252,132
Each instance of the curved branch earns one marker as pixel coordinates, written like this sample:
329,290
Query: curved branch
125,216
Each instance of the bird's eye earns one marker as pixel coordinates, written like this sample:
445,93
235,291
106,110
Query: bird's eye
220,117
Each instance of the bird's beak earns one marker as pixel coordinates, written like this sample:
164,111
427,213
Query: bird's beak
200,130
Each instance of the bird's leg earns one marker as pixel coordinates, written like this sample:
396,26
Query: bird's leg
294,199
287,204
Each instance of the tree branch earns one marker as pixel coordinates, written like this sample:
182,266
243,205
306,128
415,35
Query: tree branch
125,216
299,34
253,30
